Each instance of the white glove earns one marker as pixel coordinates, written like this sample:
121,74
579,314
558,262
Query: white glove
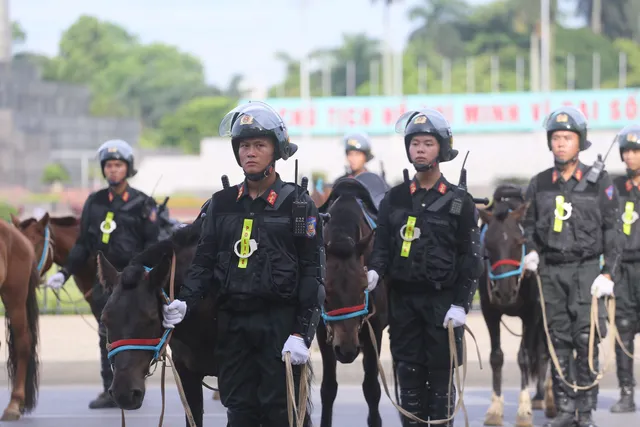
457,314
602,286
531,261
56,281
173,313
298,349
372,279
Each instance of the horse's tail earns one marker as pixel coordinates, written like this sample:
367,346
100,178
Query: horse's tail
310,379
535,338
32,311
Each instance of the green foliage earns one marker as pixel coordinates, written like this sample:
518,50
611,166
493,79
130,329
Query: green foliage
455,35
55,172
6,210
193,121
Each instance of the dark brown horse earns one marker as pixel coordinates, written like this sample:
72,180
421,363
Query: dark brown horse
348,235
18,284
58,235
508,289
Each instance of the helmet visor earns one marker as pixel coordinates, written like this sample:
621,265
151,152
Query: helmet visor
255,114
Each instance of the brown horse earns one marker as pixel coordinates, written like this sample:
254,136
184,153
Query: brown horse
61,234
18,284
348,239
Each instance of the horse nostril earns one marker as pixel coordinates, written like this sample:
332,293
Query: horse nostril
137,394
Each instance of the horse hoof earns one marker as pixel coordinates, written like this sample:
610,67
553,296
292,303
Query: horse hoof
493,420
216,395
10,415
524,420
550,412
537,404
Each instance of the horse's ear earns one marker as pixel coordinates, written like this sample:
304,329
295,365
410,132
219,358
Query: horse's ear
363,244
44,221
15,221
159,273
485,215
107,273
519,213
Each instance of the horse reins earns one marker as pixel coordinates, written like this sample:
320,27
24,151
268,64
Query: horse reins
454,367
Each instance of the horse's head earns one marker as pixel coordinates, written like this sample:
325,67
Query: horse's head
504,246
39,234
347,299
133,321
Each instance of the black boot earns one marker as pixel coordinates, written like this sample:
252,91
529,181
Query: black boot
562,393
441,403
244,419
625,376
412,379
586,400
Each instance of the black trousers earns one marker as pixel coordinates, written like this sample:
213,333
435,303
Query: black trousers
251,376
420,349
99,299
567,295
627,291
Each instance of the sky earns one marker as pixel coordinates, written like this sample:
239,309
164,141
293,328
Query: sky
229,36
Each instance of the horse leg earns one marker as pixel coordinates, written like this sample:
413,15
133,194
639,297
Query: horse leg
192,385
539,402
371,385
495,413
550,408
524,416
19,344
329,387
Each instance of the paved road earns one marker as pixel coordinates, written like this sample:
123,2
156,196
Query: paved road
67,406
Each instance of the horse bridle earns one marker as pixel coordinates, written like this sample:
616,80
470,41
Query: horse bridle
519,264
156,345
47,251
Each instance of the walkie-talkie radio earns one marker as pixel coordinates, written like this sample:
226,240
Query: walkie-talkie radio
456,204
299,210
598,166
225,181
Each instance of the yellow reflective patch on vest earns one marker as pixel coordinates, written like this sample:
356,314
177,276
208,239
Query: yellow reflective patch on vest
408,234
107,227
557,223
244,242
628,218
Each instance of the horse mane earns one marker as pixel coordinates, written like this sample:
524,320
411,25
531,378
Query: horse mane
501,211
182,239
27,222
344,227
64,221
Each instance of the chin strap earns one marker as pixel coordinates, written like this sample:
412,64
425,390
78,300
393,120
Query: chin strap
562,164
262,175
632,173
427,167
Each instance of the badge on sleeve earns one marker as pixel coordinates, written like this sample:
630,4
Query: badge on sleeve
153,214
609,192
311,226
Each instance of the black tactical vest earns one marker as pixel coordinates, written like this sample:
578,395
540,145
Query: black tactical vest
429,260
271,272
630,210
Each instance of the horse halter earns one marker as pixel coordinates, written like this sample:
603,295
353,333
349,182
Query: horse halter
519,264
156,345
47,251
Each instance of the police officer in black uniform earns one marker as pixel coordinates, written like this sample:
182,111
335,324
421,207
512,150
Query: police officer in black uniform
357,148
628,284
261,252
572,219
121,222
427,247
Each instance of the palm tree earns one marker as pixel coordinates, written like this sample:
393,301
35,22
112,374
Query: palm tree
436,28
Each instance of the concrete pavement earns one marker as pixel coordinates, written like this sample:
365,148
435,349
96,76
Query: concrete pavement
69,354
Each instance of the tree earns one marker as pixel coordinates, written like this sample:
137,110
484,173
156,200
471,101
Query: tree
18,35
55,173
614,18
197,119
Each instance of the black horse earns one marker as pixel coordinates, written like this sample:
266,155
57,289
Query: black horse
507,289
343,334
